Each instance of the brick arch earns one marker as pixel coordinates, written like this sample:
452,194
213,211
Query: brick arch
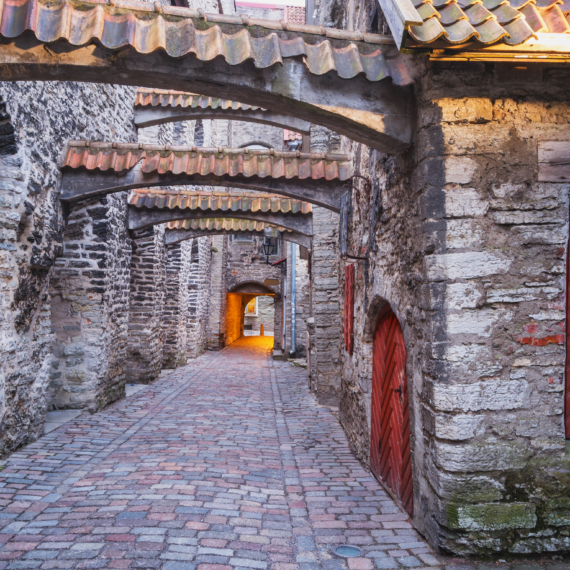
361,92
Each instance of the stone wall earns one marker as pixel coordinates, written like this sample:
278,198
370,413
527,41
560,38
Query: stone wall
217,314
44,117
89,294
265,316
176,304
245,134
146,305
200,296
323,322
468,249
302,297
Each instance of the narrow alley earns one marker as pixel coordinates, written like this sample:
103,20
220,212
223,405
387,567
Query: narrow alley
228,463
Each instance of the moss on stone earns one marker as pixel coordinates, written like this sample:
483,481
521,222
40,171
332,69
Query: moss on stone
491,516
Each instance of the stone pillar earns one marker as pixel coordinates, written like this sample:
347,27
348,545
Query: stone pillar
301,303
217,325
176,304
199,300
148,284
324,324
89,301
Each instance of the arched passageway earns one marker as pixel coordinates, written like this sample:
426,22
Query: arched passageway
250,311
370,108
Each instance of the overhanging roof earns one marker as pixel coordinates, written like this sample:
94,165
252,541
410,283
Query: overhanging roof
90,169
217,201
484,29
297,70
187,229
159,106
148,208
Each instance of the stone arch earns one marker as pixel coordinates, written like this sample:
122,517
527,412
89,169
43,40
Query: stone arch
238,298
176,236
158,107
140,218
364,106
253,288
255,143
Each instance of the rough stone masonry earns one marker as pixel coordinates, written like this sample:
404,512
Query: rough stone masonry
468,248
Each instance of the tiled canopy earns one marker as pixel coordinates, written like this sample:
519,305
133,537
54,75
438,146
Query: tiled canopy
222,224
217,201
509,22
171,98
179,31
207,161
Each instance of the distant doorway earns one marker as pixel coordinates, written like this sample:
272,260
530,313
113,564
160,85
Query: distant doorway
390,451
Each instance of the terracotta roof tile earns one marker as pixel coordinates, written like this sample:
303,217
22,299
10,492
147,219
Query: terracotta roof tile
207,161
217,201
511,22
222,224
170,98
148,27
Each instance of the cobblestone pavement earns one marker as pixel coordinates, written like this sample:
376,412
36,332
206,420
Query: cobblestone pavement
225,463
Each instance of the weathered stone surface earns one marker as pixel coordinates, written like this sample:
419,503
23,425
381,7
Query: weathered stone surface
486,395
492,516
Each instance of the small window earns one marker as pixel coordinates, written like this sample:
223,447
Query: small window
242,238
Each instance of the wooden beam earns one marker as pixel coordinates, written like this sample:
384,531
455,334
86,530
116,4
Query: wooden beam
140,218
81,184
176,236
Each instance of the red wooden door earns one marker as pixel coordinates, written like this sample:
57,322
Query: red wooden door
390,452
567,331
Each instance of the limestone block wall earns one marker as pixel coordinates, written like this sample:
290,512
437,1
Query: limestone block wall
301,303
265,316
242,134
44,116
217,311
176,304
199,301
323,322
90,306
146,305
468,248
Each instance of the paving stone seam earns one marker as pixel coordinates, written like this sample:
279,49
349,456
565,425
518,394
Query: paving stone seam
285,438
126,435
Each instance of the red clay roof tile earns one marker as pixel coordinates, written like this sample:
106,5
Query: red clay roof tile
216,201
486,22
207,161
148,27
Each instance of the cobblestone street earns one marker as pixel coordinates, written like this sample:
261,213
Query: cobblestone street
225,463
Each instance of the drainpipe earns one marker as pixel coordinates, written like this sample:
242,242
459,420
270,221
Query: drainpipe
293,295
284,317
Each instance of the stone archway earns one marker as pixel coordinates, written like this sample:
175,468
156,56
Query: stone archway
239,298
342,82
